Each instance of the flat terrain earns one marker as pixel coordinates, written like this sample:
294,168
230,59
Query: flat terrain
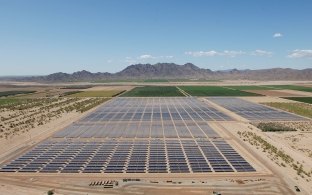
153,91
19,116
106,93
171,144
215,91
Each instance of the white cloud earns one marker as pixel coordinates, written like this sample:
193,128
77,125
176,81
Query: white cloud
146,56
277,35
167,57
260,52
232,53
300,53
201,53
214,53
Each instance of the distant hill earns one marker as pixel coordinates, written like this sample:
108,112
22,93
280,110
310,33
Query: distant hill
174,71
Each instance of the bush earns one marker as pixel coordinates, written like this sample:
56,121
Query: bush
50,192
274,127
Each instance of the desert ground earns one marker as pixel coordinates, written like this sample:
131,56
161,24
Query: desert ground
274,174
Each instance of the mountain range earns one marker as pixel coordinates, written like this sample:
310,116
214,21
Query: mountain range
175,71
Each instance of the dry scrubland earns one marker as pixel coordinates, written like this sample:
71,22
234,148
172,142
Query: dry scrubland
286,152
23,108
20,116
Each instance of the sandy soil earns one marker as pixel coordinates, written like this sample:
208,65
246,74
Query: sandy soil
287,172
300,142
266,99
103,88
146,186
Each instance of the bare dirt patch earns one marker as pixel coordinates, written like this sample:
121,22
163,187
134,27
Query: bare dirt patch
110,88
281,93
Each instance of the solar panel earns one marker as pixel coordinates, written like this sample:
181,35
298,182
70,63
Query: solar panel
137,135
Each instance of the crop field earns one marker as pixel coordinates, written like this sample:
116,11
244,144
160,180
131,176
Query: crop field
297,108
153,91
12,93
215,91
21,115
300,99
106,93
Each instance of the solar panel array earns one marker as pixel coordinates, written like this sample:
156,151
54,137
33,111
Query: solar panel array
137,135
112,156
254,111
147,118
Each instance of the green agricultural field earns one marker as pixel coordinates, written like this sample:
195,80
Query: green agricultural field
301,99
215,91
106,93
12,93
297,108
153,91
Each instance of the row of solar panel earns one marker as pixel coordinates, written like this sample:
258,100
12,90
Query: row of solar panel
123,109
255,112
155,156
167,129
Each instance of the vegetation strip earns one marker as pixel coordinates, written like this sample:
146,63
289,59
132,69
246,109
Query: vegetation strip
12,93
300,99
297,108
273,127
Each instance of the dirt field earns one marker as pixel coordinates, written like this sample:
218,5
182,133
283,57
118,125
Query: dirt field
109,88
281,93
174,185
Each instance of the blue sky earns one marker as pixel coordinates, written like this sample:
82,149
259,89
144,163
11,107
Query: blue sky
42,37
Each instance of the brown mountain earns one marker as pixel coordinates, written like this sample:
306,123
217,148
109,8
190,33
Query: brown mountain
174,71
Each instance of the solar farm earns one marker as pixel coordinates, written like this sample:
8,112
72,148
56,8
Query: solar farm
137,135
158,135
255,112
